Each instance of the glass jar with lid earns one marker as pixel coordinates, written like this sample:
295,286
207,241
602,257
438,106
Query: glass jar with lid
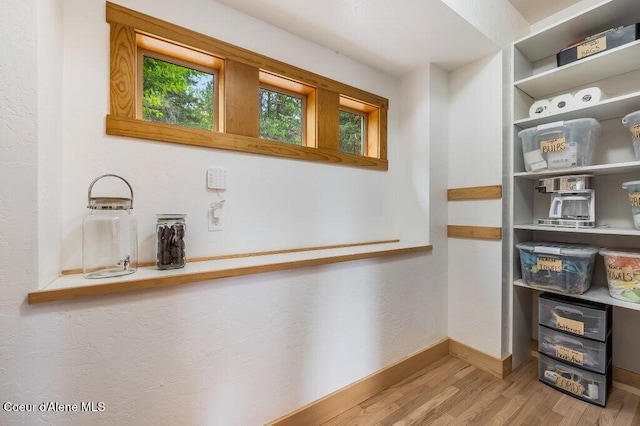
170,230
109,235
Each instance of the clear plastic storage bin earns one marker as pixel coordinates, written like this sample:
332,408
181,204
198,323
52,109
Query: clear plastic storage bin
632,121
579,317
582,384
623,274
574,350
557,266
560,145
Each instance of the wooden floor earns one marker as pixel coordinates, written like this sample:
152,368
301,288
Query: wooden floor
451,391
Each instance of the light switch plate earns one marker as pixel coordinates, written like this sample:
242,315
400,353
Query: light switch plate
217,178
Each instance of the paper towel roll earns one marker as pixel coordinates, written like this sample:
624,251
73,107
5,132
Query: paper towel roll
540,108
562,103
588,96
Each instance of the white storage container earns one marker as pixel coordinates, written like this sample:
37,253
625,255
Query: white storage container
623,274
560,145
632,121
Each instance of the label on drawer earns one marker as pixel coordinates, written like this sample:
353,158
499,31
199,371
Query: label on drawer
592,47
573,326
549,264
553,145
570,355
635,131
569,385
634,199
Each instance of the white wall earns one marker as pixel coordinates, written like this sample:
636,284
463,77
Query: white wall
235,351
475,159
497,19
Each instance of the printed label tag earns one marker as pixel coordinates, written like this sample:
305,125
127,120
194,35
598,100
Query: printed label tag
634,199
553,145
635,131
573,326
617,273
569,355
569,385
591,47
549,264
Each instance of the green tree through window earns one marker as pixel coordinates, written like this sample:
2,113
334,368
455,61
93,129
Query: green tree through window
280,117
351,132
175,94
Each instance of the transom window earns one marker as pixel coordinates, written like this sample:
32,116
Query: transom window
172,84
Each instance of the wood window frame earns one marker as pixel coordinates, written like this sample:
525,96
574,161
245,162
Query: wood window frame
161,56
239,80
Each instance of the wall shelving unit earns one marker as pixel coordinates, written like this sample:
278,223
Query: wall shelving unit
534,75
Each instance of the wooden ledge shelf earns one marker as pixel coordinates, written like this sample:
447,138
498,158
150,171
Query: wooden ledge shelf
76,286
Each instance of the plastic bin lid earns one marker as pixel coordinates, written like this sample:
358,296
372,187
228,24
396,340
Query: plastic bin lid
630,184
560,124
620,252
559,249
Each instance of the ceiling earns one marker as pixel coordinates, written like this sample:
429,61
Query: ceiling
394,36
535,10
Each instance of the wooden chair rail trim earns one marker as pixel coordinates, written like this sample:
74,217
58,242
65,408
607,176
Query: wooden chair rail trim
253,254
489,192
152,278
474,232
122,126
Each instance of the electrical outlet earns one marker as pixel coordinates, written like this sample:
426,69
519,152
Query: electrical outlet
217,178
214,218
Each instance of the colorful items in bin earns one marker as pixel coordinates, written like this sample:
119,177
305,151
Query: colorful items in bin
572,203
632,121
567,268
623,274
633,187
560,145
566,102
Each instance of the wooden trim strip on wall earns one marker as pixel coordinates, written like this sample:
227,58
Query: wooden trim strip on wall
489,192
256,253
91,289
474,232
498,367
121,126
335,403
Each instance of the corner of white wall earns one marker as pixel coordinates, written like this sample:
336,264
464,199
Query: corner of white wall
50,119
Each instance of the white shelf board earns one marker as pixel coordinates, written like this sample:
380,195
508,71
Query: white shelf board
597,293
604,15
599,169
617,61
597,230
605,110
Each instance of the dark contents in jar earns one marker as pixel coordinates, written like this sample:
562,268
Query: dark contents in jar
171,246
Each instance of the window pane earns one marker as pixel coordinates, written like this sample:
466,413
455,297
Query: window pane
351,132
280,117
176,95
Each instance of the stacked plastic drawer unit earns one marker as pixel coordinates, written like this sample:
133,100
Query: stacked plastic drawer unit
574,347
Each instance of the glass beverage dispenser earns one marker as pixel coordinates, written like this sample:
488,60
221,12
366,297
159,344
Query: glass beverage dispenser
109,235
